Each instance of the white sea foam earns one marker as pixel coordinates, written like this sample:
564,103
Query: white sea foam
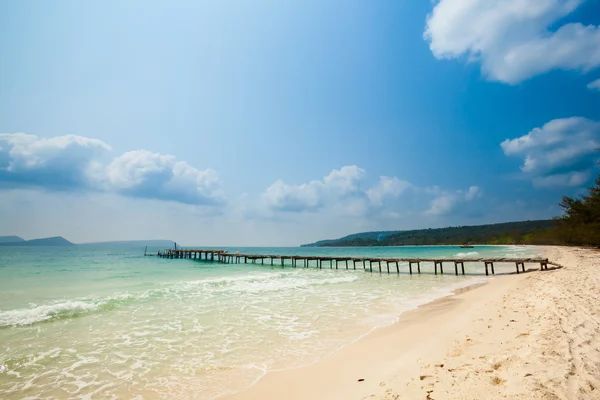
468,254
251,320
41,313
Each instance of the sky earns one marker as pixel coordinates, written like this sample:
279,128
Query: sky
272,123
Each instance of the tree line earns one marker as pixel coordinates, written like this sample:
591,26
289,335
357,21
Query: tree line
579,225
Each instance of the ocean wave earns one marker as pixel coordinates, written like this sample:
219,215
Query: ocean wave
254,283
59,310
468,254
42,313
262,282
278,283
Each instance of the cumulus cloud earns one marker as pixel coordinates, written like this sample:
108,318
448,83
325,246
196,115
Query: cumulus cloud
473,193
347,197
513,39
64,162
560,153
388,187
315,194
448,201
76,163
595,85
141,173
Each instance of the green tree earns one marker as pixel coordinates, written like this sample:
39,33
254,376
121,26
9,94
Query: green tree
580,224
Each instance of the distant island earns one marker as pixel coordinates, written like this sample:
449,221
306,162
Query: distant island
524,232
61,241
18,241
11,239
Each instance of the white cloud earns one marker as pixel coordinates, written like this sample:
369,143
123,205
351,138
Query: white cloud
62,162
448,201
473,193
388,187
512,38
75,163
560,153
595,85
315,194
141,173
576,178
347,198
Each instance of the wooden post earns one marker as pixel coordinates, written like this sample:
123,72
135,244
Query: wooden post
354,262
370,265
379,262
419,267
435,268
492,265
517,267
456,268
462,266
398,268
486,268
441,267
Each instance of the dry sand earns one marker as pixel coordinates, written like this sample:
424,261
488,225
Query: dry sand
527,336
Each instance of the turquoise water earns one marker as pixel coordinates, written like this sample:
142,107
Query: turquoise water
107,322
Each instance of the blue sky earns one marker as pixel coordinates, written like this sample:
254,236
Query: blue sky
279,123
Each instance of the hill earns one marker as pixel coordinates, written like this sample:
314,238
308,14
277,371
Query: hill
51,241
525,232
11,239
377,235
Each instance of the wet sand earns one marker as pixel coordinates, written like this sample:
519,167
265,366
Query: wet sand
529,336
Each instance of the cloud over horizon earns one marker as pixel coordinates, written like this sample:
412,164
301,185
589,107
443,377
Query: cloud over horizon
560,153
447,201
58,163
341,191
513,40
74,162
316,194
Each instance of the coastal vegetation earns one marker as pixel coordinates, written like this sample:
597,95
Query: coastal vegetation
579,225
524,232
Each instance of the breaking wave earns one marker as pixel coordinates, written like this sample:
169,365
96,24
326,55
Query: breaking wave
468,254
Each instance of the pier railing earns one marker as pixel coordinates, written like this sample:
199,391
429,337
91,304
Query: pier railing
366,263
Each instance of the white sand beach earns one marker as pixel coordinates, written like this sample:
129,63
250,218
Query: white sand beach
527,336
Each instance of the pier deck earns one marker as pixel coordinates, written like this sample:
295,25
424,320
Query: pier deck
366,263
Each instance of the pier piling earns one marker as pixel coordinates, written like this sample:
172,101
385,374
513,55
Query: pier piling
222,256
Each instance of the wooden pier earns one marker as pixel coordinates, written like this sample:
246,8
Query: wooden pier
366,263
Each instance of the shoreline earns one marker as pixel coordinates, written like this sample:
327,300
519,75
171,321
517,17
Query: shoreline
410,358
275,384
452,292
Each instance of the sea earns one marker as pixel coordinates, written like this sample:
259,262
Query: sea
108,322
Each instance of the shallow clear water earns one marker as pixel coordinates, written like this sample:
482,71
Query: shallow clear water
108,322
